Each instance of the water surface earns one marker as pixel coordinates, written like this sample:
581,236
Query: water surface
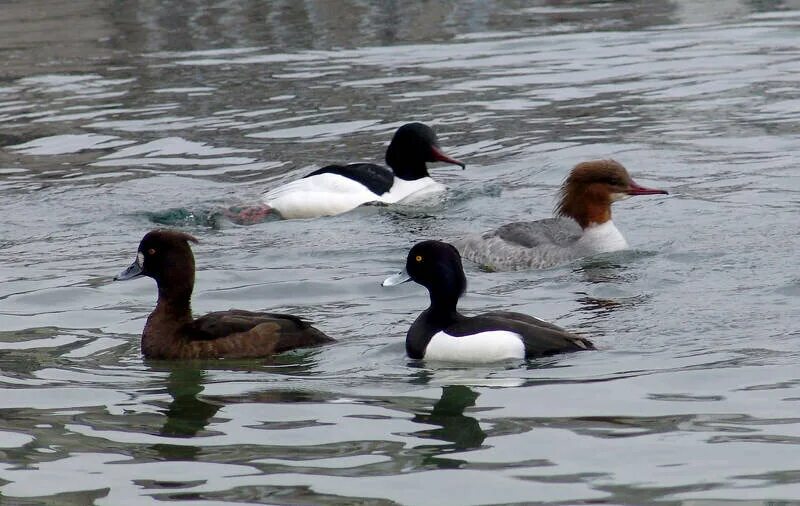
112,114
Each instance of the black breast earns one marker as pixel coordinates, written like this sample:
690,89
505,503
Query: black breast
377,179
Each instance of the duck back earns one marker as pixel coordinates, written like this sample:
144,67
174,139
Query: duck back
375,178
540,338
523,245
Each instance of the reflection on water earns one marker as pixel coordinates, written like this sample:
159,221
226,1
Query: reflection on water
187,415
463,431
599,306
116,118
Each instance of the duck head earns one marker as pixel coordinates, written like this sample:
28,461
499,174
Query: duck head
412,146
591,187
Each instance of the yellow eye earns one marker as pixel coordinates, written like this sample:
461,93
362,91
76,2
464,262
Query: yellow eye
151,251
419,258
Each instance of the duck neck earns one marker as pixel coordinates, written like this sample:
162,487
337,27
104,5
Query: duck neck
162,331
411,172
588,208
404,166
594,213
443,308
440,315
175,299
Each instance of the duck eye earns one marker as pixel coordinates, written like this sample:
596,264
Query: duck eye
151,251
419,258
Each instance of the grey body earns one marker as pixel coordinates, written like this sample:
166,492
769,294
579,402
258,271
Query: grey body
525,245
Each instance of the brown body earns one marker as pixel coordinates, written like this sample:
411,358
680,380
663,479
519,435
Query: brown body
172,333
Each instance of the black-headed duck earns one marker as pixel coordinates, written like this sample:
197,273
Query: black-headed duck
172,333
442,333
336,189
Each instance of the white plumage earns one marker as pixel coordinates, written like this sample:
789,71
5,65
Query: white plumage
331,194
490,346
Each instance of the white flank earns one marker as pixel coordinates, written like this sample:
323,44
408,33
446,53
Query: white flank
602,238
408,192
320,195
491,346
332,194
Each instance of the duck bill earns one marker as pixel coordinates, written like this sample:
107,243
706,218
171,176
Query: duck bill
396,279
636,189
439,156
133,271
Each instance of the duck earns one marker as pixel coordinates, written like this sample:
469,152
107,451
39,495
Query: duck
442,333
336,189
172,333
582,226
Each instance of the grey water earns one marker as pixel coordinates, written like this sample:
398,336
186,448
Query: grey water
119,117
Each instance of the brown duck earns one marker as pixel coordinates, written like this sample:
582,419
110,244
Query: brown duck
172,333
